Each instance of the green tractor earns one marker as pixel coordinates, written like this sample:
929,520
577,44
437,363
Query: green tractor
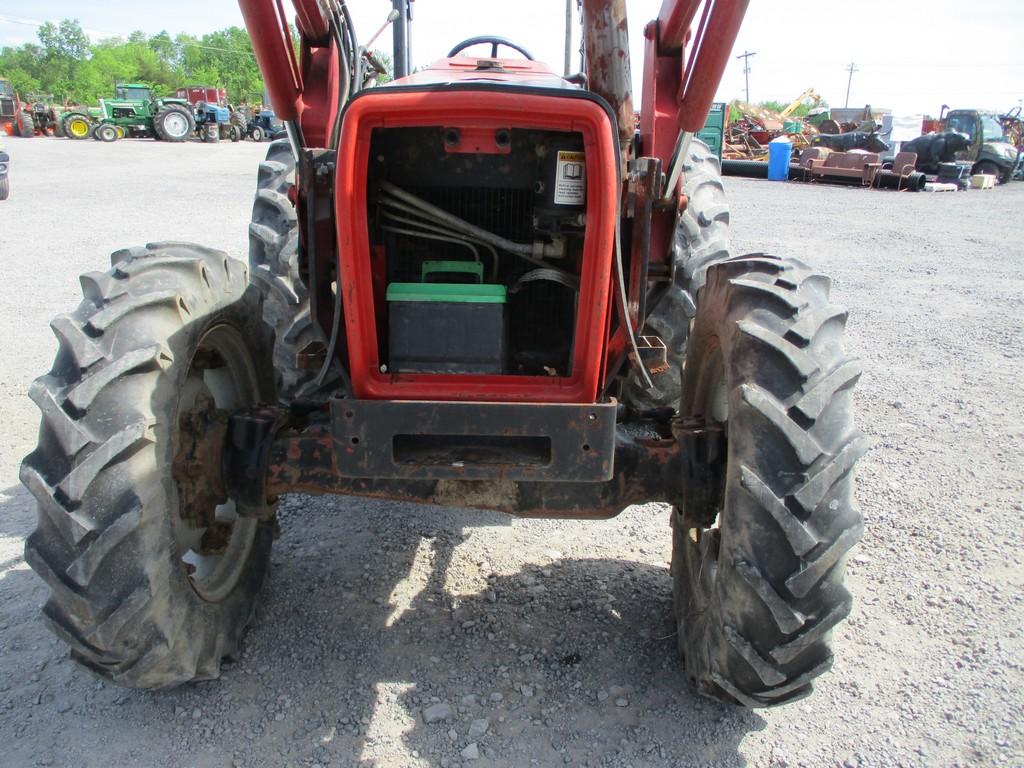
133,112
990,150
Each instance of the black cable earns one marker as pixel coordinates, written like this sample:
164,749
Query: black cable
345,79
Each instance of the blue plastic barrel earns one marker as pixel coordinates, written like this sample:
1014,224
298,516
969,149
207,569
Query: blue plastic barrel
780,151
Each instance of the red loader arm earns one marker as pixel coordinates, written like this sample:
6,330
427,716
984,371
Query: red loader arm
303,91
678,89
682,71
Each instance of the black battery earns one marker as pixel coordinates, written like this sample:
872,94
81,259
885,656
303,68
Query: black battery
446,328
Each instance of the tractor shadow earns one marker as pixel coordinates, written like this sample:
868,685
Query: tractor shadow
373,615
569,661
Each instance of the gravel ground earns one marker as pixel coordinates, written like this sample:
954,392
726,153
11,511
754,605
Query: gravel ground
393,635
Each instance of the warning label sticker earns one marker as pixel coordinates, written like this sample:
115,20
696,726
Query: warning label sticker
571,181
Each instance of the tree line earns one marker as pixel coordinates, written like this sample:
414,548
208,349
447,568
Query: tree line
66,65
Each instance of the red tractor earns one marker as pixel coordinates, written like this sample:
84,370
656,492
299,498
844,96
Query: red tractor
16,118
477,286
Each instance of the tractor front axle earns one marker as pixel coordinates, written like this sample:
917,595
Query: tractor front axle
529,460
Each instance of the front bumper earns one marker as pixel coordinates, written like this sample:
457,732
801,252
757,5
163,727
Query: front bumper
474,441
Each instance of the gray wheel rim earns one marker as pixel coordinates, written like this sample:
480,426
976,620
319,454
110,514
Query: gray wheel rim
231,385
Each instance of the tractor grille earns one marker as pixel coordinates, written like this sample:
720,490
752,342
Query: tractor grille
505,212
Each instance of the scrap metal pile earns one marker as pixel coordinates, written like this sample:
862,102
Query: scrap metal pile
751,128
963,148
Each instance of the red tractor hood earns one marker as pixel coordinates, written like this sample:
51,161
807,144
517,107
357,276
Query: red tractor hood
474,69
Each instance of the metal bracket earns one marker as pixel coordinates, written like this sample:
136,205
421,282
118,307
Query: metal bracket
246,459
653,354
705,452
675,167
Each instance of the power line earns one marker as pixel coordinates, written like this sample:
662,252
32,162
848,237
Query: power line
746,69
852,68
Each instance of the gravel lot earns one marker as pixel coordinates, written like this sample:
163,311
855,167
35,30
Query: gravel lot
550,643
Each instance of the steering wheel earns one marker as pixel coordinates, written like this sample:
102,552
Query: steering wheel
494,43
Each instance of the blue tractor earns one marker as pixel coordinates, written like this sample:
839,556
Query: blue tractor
264,125
214,123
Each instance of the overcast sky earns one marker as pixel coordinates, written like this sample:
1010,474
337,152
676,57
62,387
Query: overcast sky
911,55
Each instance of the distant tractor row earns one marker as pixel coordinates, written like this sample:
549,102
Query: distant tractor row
135,113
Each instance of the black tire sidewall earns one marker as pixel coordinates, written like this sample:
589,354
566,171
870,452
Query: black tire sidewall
704,341
230,615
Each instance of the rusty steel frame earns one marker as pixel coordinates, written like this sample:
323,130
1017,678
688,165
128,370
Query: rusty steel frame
266,452
677,93
254,456
305,460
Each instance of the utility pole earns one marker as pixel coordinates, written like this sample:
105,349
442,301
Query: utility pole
746,68
851,69
568,36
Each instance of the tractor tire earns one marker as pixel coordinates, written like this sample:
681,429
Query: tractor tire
274,270
174,123
5,188
257,134
58,125
77,126
701,239
143,598
759,550
106,133
235,134
239,126
26,128
991,169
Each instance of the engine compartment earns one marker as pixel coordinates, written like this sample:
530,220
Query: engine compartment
477,239
474,147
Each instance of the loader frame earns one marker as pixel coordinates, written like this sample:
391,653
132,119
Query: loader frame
532,448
